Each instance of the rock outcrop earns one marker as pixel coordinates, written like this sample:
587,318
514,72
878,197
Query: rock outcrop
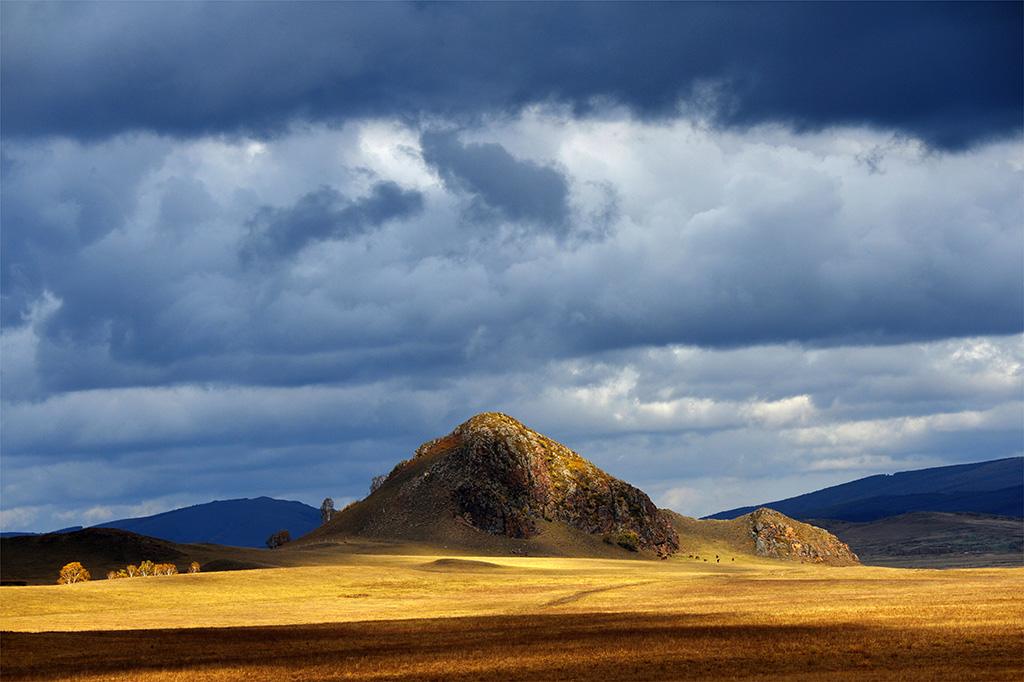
780,537
496,476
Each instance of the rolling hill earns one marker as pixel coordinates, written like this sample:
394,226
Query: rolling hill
934,540
995,487
37,559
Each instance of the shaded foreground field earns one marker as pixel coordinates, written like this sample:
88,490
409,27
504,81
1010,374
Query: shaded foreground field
584,646
416,618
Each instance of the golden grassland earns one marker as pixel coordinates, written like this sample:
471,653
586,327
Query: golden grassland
427,617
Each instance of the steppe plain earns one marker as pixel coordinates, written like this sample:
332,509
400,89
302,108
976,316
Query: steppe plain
338,614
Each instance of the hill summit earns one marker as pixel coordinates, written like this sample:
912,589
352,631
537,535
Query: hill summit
493,475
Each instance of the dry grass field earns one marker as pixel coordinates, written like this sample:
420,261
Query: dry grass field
422,617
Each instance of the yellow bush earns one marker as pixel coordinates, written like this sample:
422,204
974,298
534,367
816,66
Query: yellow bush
73,573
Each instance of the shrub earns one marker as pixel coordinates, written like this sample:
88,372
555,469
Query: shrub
629,540
279,538
193,567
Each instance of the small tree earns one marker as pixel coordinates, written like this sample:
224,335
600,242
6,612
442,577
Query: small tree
377,481
326,510
131,570
73,573
147,568
193,567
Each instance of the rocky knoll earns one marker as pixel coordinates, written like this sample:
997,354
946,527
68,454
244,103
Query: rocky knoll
780,537
764,533
494,475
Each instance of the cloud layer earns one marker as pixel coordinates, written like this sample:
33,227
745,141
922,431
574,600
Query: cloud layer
725,266
945,72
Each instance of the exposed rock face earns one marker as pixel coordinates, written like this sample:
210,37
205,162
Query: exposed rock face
504,478
780,537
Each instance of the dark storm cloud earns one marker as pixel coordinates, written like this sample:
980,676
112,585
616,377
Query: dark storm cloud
517,190
326,214
60,199
950,73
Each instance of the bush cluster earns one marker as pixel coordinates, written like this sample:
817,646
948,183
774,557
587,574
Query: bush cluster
148,568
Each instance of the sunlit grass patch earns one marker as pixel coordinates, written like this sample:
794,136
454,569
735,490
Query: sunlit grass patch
523,618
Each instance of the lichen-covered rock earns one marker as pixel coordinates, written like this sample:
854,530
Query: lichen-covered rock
504,479
780,537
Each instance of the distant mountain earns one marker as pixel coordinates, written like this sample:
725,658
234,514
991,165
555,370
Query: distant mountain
994,487
238,523
495,485
18,533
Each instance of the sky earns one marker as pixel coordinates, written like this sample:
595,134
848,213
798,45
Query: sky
728,252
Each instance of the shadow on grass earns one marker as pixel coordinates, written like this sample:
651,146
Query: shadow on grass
620,646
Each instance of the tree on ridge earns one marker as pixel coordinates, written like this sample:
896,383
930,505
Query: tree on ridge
326,510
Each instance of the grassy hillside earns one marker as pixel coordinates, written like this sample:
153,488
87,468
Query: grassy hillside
37,559
935,540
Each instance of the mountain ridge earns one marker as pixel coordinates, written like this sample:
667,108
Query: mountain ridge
990,487
242,522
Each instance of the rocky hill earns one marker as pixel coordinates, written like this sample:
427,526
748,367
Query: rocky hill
764,533
778,536
492,477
